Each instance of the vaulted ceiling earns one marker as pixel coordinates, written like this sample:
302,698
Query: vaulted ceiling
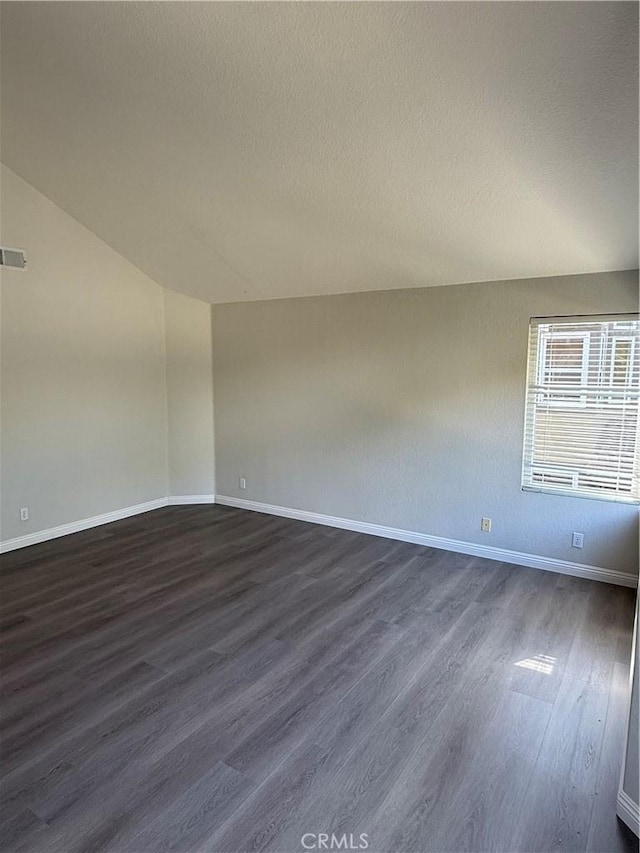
240,151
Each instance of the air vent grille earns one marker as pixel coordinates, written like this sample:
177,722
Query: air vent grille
13,258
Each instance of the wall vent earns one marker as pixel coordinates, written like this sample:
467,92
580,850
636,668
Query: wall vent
13,258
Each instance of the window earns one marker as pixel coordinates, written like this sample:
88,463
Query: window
582,430
564,360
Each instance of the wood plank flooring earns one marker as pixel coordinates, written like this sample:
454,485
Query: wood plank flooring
208,679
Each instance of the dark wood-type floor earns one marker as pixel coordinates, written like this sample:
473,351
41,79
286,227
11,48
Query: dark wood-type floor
202,678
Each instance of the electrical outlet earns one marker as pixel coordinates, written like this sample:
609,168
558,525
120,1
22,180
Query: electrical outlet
485,525
24,513
243,482
578,540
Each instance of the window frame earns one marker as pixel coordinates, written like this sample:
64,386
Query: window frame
570,401
612,365
599,344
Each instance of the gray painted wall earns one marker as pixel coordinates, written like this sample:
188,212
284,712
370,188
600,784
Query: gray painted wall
84,425
405,408
106,379
189,395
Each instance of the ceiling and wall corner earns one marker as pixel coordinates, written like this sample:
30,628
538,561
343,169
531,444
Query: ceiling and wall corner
243,151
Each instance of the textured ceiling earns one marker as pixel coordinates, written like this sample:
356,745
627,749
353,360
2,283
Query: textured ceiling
246,151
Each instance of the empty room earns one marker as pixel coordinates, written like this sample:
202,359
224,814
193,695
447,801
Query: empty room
320,432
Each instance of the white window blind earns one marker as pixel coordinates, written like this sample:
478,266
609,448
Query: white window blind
582,430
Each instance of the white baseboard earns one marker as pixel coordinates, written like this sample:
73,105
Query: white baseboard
77,526
97,520
182,500
628,811
533,561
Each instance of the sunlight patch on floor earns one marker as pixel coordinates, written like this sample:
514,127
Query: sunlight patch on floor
538,663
